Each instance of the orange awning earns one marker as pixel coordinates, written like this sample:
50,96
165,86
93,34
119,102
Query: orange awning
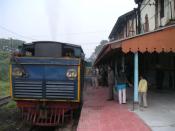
162,40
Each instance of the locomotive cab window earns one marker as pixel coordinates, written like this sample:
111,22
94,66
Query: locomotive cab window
78,52
27,50
68,52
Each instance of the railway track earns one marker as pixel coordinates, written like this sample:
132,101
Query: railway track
4,100
68,127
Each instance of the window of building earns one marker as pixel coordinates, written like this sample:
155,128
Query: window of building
161,8
146,23
156,14
174,6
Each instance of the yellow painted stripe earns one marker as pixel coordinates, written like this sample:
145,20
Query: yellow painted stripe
79,83
10,76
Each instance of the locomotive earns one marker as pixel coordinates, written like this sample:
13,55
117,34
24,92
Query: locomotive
46,81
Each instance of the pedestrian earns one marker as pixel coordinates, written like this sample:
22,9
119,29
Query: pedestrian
111,83
121,86
143,87
97,78
94,78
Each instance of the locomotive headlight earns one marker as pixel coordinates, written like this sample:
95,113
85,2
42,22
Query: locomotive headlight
17,72
71,74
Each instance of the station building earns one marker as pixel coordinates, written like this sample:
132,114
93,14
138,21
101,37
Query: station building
143,42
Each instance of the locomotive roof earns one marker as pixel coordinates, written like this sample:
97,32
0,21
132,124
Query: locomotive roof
68,44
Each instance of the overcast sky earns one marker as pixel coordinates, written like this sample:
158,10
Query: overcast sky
82,22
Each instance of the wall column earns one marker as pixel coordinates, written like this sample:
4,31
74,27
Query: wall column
136,77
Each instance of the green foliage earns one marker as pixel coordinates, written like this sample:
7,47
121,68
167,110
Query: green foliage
10,45
4,66
7,46
97,50
4,57
10,105
4,73
4,88
100,46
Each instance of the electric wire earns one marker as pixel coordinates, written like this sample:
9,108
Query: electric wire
15,33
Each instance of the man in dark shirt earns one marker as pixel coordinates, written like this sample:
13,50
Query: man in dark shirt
111,82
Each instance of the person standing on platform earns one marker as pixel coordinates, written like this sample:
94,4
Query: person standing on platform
122,83
94,78
143,87
111,82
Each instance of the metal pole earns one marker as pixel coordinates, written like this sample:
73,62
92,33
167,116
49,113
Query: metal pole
11,44
136,77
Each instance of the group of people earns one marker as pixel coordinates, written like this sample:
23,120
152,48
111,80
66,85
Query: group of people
122,83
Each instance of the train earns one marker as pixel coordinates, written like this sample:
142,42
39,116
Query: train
46,81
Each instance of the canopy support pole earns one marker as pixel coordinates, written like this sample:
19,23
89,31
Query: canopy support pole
136,77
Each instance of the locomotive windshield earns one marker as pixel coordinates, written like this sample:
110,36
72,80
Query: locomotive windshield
51,49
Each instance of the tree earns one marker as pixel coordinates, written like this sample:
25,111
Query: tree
6,47
97,50
9,45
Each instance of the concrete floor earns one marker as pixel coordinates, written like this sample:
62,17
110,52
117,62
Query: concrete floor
160,114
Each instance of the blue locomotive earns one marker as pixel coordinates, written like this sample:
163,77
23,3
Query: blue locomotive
47,81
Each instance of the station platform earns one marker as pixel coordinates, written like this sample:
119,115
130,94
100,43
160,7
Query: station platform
98,114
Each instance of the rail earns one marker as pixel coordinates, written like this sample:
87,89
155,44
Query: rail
4,100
